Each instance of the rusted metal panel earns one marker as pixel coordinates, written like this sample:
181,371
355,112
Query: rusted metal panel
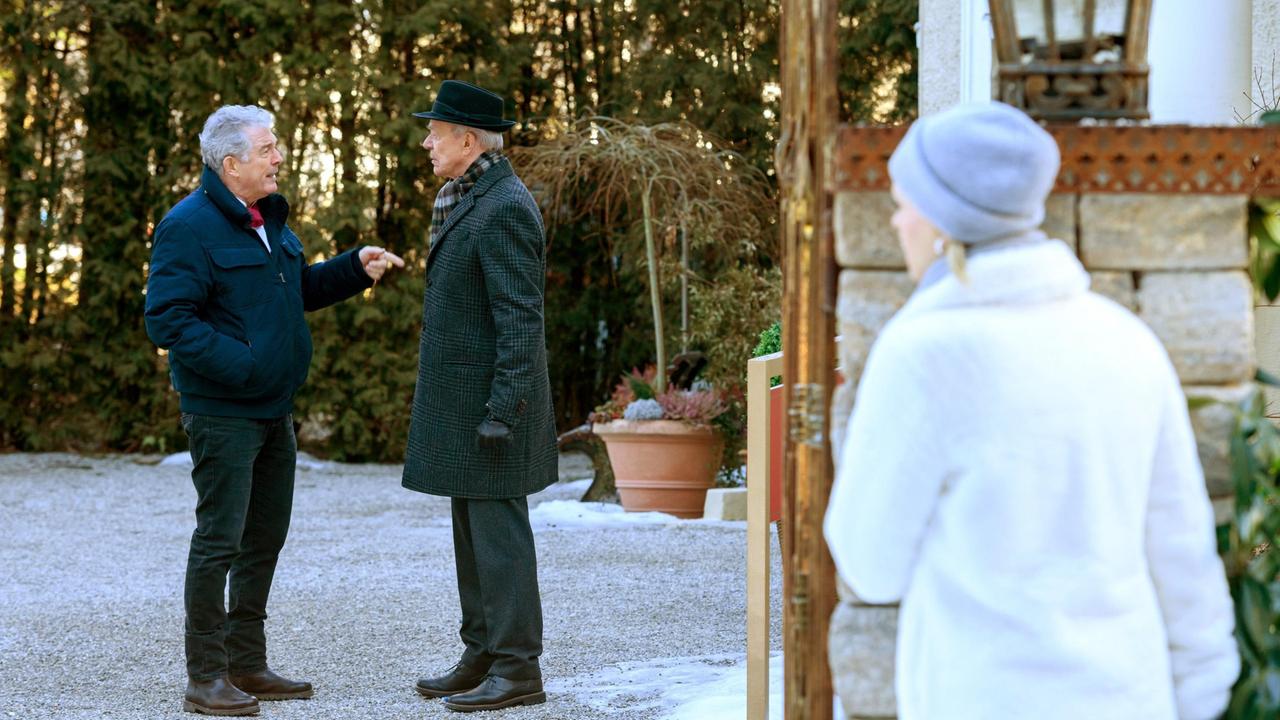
1107,159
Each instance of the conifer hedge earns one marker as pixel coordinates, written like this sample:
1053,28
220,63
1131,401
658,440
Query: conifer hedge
102,102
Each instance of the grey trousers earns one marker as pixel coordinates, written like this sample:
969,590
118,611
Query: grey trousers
498,587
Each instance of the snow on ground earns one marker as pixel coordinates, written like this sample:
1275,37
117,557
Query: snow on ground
182,458
571,513
708,687
305,461
558,507
722,695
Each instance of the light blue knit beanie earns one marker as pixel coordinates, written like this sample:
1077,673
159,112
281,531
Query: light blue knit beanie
979,172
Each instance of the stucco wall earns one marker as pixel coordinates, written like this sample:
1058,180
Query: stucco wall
939,39
1266,47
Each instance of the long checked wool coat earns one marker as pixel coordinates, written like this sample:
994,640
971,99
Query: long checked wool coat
483,349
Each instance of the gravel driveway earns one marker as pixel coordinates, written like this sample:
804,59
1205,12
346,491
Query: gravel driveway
94,550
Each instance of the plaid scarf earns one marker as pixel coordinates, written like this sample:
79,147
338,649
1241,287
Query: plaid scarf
456,189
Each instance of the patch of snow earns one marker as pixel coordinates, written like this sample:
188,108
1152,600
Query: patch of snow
305,461
558,507
310,462
182,458
724,696
575,514
563,490
710,687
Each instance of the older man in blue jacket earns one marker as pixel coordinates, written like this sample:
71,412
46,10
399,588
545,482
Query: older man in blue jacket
226,294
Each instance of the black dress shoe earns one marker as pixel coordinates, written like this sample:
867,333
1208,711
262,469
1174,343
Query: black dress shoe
459,679
267,685
217,697
496,693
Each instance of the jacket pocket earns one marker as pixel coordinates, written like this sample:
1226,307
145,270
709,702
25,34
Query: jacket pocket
275,363
240,277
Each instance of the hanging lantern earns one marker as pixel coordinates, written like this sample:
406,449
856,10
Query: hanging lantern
1064,60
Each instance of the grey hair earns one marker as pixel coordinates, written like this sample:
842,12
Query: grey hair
224,133
486,139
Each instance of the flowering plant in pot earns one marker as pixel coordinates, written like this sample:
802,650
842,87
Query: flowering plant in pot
664,446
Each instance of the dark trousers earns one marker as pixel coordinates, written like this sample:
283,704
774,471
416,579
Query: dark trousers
498,586
243,475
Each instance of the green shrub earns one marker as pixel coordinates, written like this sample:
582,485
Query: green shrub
770,342
1247,545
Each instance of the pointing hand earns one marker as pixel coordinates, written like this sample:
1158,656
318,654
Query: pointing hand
376,261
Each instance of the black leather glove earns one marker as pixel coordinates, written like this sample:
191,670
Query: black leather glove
493,434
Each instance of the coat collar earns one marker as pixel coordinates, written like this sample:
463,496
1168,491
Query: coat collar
500,171
274,208
1025,273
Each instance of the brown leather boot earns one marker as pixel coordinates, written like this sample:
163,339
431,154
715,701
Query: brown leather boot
267,685
217,697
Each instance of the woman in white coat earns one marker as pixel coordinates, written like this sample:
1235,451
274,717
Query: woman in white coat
1020,470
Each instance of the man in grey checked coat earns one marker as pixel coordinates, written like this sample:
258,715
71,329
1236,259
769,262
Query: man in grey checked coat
483,429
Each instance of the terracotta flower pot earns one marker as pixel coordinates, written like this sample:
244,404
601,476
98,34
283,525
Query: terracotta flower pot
662,465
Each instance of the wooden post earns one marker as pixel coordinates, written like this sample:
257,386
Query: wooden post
809,118
759,449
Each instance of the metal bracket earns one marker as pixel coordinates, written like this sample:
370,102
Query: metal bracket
800,601
807,414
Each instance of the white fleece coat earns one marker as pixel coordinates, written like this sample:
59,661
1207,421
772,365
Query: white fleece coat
1021,474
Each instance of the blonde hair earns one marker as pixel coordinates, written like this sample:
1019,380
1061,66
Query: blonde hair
956,259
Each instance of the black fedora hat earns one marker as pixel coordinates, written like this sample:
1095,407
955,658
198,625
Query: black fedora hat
462,103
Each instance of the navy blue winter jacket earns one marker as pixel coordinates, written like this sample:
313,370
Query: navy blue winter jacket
230,313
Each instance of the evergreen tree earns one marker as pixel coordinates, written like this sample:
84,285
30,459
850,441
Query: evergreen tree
103,103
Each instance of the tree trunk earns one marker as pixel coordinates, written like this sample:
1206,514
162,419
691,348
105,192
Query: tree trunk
349,195
655,292
17,160
37,230
566,58
581,439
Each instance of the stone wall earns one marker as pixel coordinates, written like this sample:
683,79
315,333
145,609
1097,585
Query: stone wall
1178,261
